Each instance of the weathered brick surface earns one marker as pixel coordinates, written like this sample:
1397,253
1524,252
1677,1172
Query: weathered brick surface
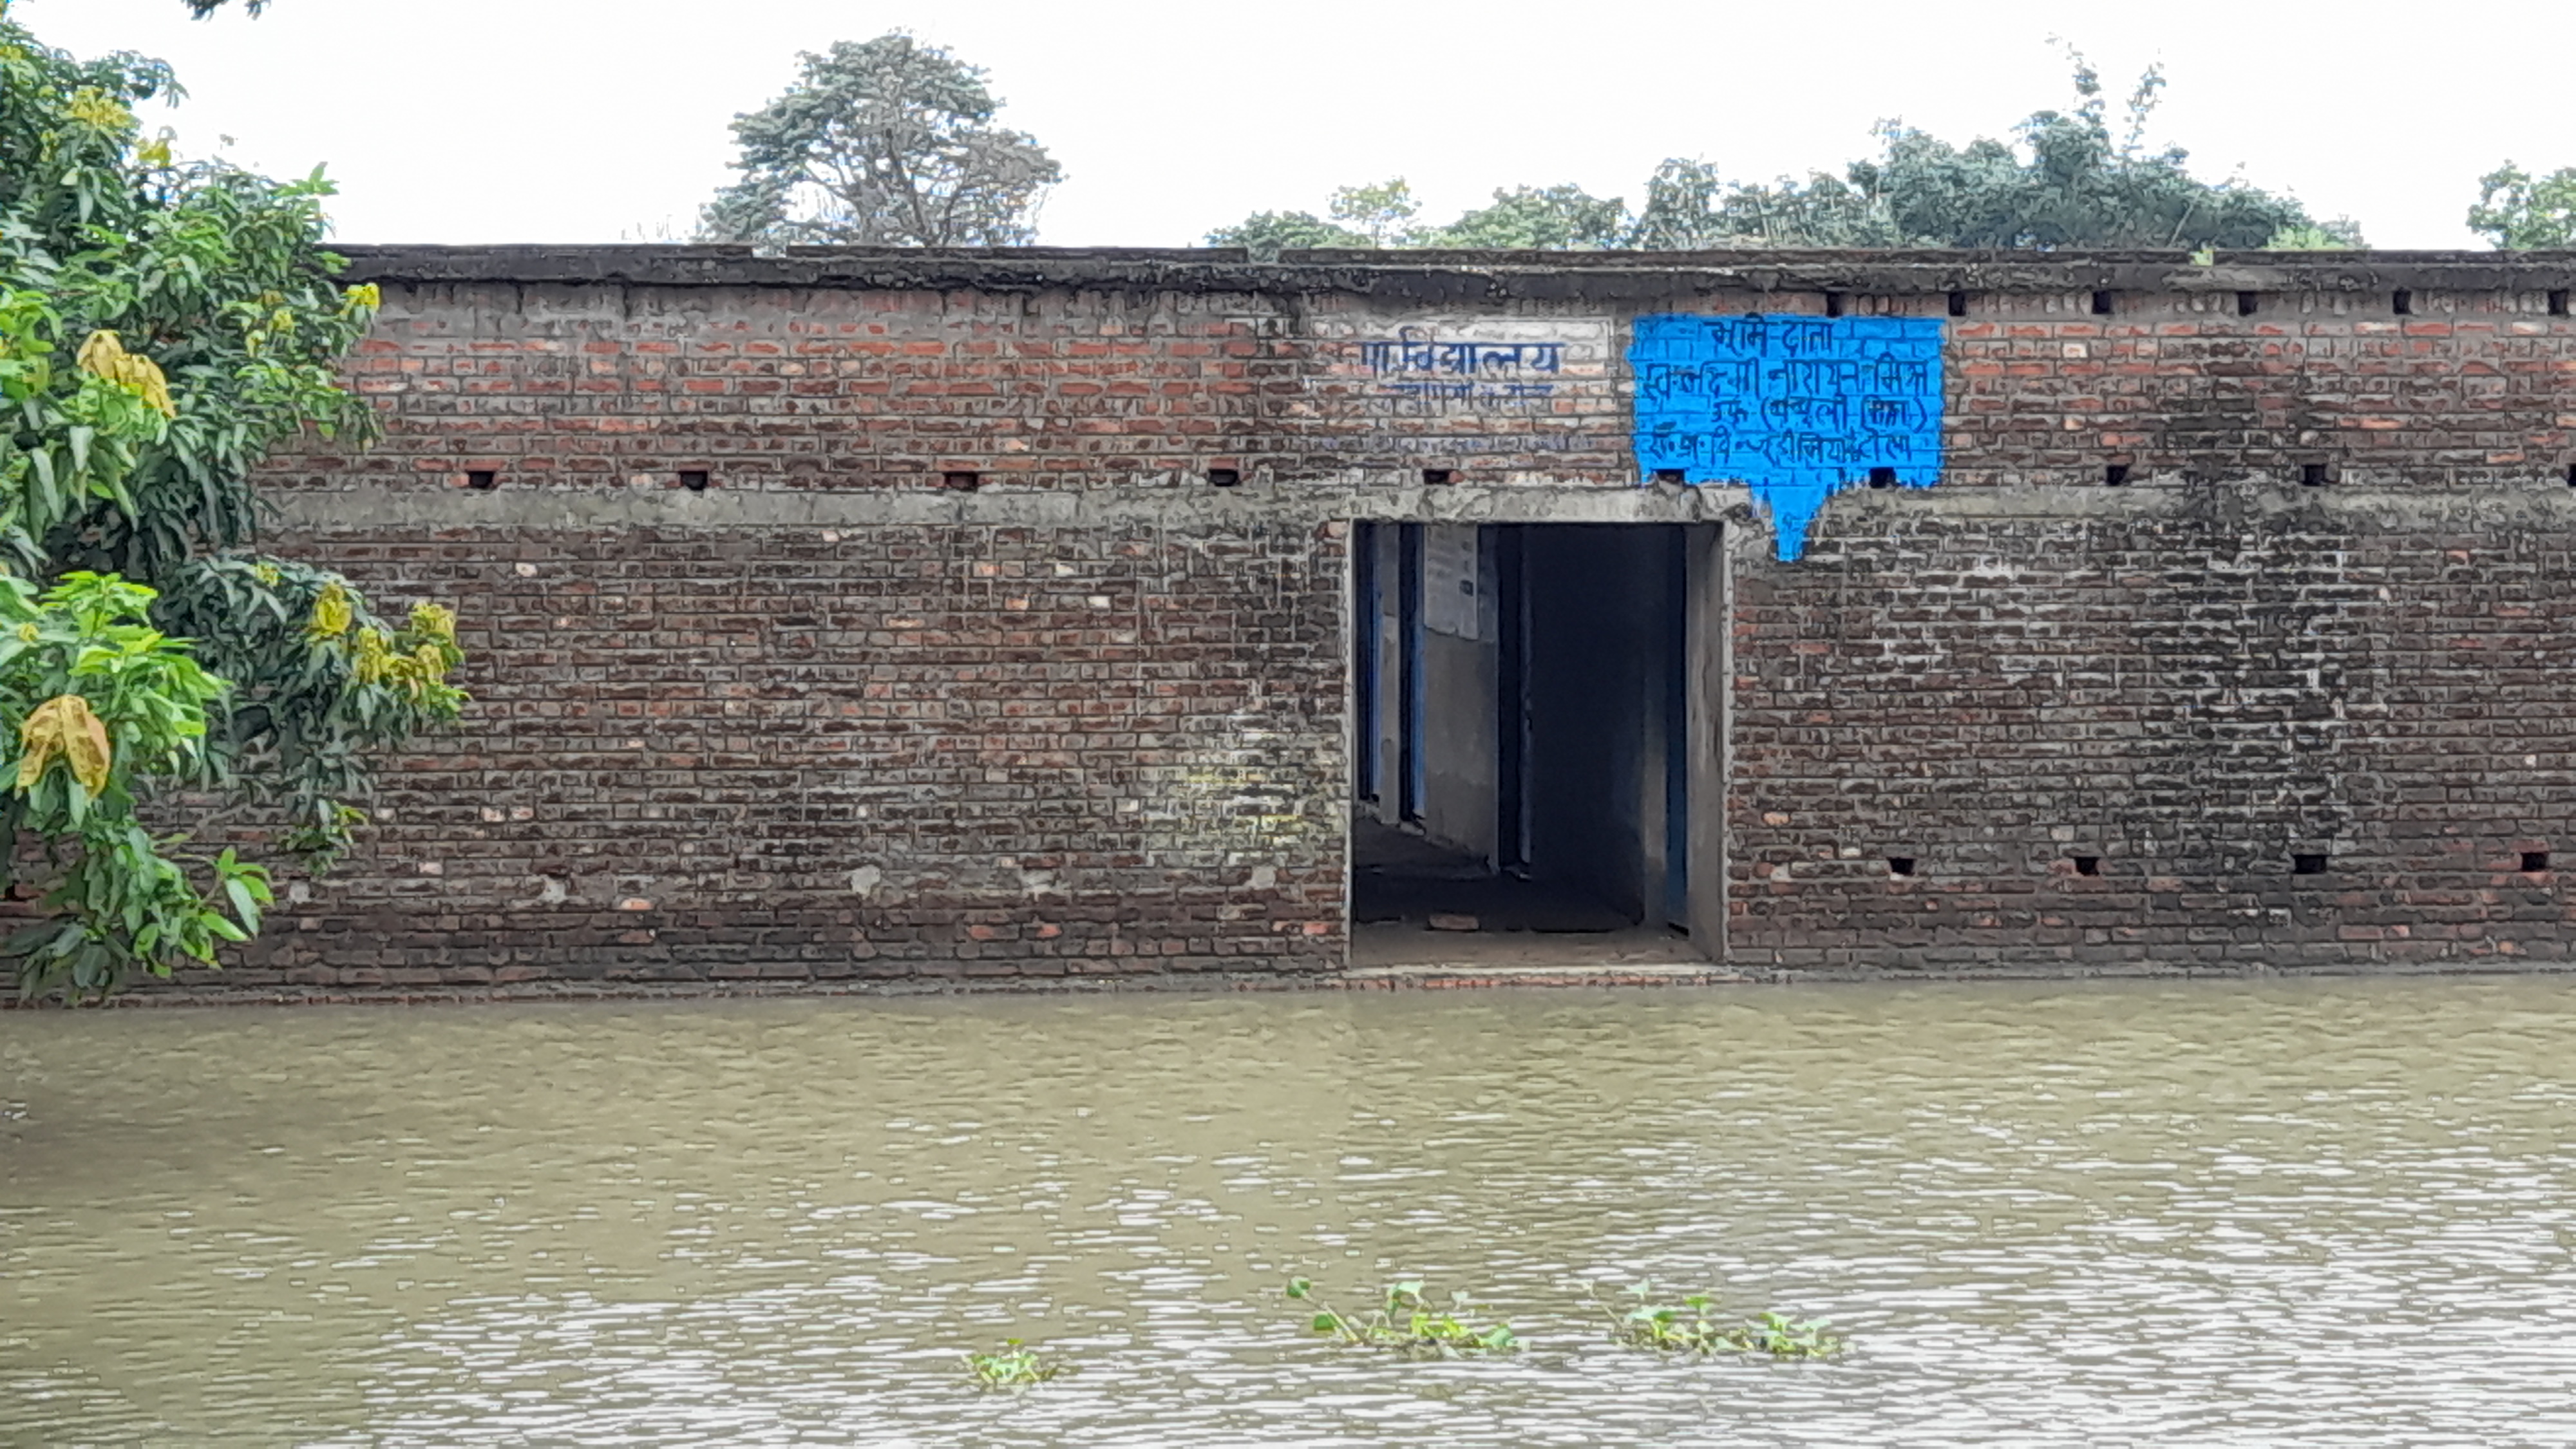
710,755
832,718
2193,695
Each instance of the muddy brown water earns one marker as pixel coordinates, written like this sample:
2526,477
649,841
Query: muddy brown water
2211,1213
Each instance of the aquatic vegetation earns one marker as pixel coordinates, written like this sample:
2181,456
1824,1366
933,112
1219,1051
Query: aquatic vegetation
1408,1324
1693,1326
1016,1367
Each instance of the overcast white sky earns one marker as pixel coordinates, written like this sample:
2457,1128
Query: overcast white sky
601,120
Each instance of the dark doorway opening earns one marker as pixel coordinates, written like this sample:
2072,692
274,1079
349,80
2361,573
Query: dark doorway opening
1538,739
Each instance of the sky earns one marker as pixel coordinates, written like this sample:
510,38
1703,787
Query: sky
606,120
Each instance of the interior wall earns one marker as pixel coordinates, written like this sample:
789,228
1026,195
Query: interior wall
1461,666
1598,615
1387,544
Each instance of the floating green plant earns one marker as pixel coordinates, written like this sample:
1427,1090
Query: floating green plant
1693,1326
1016,1367
1408,1324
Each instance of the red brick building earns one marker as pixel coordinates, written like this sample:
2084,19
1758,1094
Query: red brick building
1045,613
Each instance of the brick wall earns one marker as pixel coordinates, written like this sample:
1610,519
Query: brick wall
2189,694
833,716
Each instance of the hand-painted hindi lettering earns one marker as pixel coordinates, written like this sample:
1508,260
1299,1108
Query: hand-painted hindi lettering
1503,393
1416,367
1798,408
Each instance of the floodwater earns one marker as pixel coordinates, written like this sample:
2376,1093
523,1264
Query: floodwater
2208,1213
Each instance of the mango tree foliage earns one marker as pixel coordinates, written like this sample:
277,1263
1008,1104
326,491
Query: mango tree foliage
163,324
883,143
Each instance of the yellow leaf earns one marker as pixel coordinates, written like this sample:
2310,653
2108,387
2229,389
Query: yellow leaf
101,353
64,726
375,657
331,612
97,109
105,356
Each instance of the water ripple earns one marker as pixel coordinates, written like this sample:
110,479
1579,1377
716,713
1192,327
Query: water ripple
2204,1214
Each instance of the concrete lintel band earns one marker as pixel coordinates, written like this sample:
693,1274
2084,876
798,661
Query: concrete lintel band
367,509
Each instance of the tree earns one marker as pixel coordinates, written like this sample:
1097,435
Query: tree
1385,215
2514,212
2066,181
1268,233
1382,215
1547,218
163,323
1361,216
885,143
1691,207
2069,182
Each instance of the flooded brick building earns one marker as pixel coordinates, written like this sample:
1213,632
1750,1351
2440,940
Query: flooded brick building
1051,613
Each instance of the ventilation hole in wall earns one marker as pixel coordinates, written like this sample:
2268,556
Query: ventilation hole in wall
2312,475
1669,475
1225,477
2307,865
2246,302
1882,477
1958,304
1437,476
483,478
962,480
1900,865
1833,304
694,479
2535,861
2087,864
2558,304
2571,475
2101,304
2115,475
2402,302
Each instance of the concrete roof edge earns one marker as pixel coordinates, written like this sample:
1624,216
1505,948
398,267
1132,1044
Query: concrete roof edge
1455,275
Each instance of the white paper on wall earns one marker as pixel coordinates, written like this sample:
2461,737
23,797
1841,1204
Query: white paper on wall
1449,582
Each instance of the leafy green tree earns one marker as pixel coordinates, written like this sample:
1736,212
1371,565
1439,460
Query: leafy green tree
1383,214
1545,218
2339,235
2516,212
163,323
883,143
1388,215
2067,180
1360,216
1690,206
1268,233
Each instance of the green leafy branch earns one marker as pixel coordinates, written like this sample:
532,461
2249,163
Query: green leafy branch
1016,1366
1406,1323
1694,1326
108,704
165,323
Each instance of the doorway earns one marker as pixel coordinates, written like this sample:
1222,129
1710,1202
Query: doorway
1529,691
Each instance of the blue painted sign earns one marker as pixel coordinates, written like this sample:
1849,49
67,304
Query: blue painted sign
1798,408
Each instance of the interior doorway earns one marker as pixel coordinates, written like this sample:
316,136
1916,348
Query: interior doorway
1531,734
